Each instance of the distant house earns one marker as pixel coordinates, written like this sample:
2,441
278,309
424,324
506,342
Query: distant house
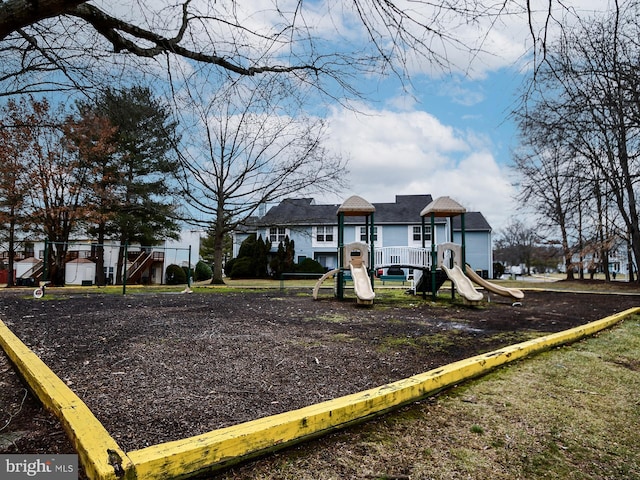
145,265
314,229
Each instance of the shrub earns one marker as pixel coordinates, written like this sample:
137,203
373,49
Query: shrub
243,268
309,265
228,267
255,251
186,274
498,270
203,271
174,275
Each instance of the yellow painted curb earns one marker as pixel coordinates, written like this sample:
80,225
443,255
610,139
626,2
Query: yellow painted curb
95,447
204,452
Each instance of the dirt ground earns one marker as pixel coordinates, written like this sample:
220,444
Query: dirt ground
161,366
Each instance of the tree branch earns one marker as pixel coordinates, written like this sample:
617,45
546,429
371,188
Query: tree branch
113,29
16,14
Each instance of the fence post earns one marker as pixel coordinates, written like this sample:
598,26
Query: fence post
124,274
189,269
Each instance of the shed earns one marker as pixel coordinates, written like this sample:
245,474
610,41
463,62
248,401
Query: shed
80,271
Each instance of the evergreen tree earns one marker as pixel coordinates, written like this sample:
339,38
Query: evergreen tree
252,259
290,255
277,262
260,257
144,211
284,259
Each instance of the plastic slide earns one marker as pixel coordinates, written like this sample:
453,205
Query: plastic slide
362,283
463,284
322,279
492,287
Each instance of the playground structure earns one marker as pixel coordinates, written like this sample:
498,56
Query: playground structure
432,265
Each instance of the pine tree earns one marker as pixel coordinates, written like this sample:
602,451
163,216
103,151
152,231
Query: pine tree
144,212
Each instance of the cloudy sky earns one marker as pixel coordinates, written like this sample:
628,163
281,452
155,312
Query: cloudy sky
447,132
452,136
440,146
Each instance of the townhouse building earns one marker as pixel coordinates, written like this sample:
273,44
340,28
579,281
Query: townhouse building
314,229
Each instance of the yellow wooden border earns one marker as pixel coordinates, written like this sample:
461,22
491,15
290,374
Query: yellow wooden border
90,438
203,452
214,449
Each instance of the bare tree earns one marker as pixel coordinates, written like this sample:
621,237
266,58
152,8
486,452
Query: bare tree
252,147
15,140
587,91
515,244
59,174
62,44
548,187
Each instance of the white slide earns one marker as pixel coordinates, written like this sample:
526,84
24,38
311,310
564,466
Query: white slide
463,284
492,287
362,283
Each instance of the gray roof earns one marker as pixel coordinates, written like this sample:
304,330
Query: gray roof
404,211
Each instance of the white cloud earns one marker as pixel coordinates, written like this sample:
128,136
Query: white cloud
399,153
461,95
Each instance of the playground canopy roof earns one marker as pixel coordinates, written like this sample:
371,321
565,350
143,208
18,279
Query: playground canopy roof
356,206
443,207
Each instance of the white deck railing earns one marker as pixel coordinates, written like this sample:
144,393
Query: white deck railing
403,256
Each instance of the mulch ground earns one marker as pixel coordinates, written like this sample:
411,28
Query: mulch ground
159,367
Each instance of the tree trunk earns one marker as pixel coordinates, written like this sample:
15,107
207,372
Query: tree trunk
605,265
218,250
57,276
11,253
120,265
566,251
100,276
630,276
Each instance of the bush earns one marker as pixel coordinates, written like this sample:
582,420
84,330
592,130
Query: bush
186,274
309,265
243,268
256,251
203,271
498,270
174,275
228,267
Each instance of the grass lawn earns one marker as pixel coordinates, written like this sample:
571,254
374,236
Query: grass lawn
570,413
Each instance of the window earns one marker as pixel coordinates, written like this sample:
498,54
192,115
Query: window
108,275
277,234
324,234
363,234
417,238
